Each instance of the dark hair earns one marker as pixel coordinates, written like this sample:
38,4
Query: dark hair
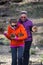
13,20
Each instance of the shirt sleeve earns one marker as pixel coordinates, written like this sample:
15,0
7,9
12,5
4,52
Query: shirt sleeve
23,31
8,33
31,25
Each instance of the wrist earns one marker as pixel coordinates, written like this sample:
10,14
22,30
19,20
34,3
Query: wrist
16,38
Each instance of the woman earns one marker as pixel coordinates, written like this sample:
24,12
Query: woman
29,28
16,34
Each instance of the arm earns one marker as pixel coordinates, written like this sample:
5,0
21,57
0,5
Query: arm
7,33
23,32
33,28
7,36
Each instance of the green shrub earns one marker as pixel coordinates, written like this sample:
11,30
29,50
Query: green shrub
4,40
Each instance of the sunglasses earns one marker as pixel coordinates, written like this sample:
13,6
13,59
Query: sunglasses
23,17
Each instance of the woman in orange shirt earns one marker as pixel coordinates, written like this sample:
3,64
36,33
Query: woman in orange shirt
16,33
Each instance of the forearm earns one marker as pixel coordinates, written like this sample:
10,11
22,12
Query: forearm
6,35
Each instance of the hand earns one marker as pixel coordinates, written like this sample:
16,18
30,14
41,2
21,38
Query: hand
16,38
5,32
12,36
34,29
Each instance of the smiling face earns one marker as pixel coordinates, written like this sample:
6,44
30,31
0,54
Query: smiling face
23,17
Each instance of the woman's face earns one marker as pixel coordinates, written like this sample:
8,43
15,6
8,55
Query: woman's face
23,17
